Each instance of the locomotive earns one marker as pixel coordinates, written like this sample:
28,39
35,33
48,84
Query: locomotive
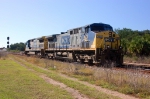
92,43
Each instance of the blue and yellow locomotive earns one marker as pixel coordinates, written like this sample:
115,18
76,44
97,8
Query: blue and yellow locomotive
93,43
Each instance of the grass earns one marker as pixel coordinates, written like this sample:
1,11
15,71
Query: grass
128,82
16,82
88,91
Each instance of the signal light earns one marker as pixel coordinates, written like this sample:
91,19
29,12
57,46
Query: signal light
7,46
8,42
7,38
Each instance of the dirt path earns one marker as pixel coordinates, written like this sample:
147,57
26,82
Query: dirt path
73,92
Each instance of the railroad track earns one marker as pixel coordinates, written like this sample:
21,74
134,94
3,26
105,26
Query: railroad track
145,68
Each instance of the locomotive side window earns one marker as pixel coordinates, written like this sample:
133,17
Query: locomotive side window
108,28
100,27
75,31
71,32
97,28
87,29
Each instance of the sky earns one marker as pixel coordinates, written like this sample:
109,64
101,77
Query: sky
26,19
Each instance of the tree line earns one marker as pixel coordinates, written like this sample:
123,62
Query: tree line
134,42
17,46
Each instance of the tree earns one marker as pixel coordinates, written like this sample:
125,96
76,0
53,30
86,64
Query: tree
136,45
17,46
125,44
134,41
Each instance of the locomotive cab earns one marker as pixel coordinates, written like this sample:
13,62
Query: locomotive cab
108,48
99,44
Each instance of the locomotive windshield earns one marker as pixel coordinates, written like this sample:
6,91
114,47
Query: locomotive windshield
100,27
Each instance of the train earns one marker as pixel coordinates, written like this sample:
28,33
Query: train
92,43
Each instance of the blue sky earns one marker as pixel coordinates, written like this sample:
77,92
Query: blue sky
25,19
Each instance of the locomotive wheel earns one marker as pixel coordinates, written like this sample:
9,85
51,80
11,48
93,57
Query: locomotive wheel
90,62
82,61
74,57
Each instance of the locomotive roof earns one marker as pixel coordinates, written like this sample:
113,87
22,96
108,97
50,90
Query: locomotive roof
49,36
91,24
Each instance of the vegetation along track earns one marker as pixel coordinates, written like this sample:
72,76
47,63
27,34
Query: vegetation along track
78,90
140,67
74,86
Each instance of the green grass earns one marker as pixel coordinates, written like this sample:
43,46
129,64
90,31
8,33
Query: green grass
88,91
16,82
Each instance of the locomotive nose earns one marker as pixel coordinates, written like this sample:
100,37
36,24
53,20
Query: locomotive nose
106,40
